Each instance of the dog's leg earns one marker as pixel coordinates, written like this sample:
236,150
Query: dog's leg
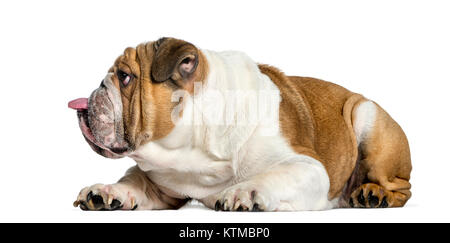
132,191
300,184
385,159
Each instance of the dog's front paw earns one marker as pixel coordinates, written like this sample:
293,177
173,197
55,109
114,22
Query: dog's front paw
241,199
105,197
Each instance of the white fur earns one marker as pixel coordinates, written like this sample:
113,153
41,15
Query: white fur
204,160
366,114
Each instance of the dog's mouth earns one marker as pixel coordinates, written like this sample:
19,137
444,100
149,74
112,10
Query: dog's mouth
87,133
81,105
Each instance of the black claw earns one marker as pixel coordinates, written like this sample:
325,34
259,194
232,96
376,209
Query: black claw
134,208
352,205
115,204
97,200
217,207
256,208
89,196
361,198
373,200
222,206
384,203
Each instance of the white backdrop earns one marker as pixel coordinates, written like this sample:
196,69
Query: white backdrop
394,52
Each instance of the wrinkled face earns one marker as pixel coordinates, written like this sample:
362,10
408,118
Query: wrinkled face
133,104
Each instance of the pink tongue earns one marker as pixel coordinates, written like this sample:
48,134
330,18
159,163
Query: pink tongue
79,104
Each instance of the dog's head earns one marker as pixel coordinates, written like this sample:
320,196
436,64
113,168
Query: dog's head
133,104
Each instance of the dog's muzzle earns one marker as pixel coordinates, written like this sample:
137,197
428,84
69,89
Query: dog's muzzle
100,120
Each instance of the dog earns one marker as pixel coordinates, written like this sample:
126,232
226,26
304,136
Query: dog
237,136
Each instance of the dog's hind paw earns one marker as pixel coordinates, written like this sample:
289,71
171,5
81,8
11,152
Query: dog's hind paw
370,195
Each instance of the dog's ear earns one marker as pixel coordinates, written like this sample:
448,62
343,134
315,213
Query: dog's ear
174,59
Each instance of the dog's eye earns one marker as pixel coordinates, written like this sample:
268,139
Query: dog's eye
124,77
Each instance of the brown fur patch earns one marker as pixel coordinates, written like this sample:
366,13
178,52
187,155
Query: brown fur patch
386,157
317,119
147,105
311,118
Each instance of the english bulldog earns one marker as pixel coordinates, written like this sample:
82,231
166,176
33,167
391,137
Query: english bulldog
237,136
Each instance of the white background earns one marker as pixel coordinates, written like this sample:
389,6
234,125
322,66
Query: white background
394,52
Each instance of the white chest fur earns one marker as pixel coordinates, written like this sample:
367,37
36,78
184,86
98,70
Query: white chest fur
229,132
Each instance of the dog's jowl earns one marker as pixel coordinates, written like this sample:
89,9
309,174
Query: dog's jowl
237,136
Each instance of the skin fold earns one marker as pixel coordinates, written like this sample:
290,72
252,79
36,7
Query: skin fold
320,147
